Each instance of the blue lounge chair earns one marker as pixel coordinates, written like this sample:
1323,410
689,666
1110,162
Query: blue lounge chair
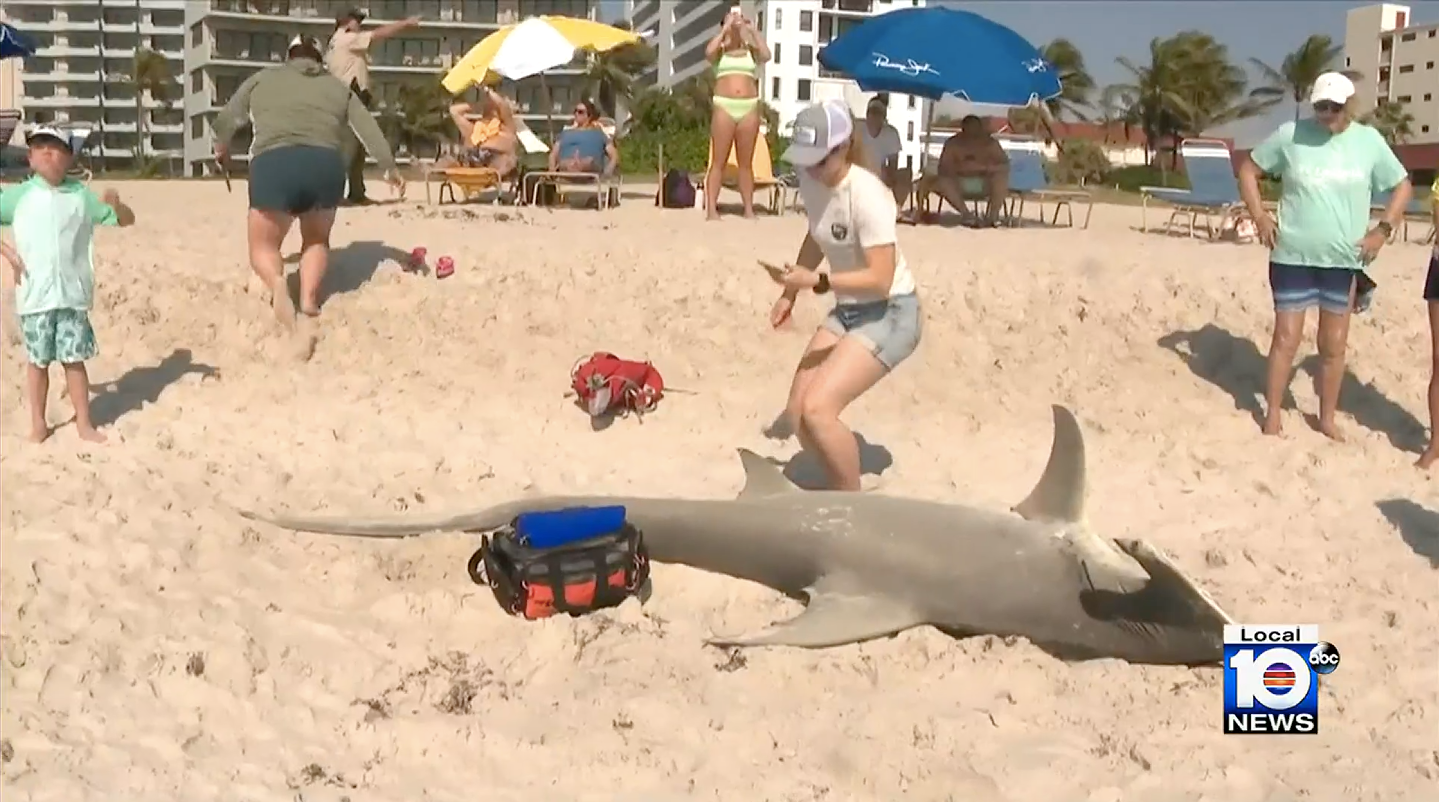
1027,181
1214,191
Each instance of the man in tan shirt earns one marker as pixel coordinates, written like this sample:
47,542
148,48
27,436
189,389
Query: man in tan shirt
349,61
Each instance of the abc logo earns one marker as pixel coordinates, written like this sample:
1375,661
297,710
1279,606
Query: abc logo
1324,658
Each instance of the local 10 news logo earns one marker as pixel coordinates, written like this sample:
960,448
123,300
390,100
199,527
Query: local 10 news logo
1271,678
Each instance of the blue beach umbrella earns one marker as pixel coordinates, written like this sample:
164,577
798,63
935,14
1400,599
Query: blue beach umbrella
13,44
937,51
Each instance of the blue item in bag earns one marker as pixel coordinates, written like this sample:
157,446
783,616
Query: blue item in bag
546,530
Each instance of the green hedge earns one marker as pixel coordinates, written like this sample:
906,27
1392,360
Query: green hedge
685,149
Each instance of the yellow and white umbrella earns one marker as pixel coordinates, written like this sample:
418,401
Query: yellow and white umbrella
531,47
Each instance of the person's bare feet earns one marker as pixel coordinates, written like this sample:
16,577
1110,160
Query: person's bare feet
1428,457
711,217
1273,426
284,307
90,434
39,432
1331,430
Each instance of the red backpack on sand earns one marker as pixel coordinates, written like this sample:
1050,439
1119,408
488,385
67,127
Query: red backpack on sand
605,383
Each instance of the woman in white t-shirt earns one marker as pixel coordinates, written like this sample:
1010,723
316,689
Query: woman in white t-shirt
875,323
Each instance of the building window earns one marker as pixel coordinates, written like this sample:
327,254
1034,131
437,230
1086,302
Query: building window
778,18
806,55
803,93
759,21
197,127
913,102
197,34
806,20
909,131
1404,99
197,81
1428,96
1408,37
1346,62
1423,129
774,51
1428,65
774,89
1406,68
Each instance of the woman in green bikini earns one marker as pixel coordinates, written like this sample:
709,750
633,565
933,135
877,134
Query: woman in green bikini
736,53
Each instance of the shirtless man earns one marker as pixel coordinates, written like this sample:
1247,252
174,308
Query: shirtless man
490,141
973,163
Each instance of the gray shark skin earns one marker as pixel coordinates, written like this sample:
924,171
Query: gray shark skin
873,565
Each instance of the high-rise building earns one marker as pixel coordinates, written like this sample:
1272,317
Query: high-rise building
86,48
1398,62
795,30
79,75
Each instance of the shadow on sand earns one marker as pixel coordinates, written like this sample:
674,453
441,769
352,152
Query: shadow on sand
807,472
351,267
1418,526
141,386
1236,366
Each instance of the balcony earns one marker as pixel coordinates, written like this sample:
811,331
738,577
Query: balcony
60,101
849,6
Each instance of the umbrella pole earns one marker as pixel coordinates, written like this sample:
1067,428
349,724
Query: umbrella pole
549,109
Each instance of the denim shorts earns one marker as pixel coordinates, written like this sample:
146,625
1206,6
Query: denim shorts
889,328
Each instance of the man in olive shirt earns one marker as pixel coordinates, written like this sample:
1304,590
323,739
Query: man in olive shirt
349,60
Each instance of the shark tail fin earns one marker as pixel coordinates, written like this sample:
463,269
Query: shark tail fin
1059,495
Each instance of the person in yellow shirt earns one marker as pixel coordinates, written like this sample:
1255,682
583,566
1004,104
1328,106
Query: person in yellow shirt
1431,294
490,141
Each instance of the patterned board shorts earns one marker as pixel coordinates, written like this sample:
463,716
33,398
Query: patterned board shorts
59,335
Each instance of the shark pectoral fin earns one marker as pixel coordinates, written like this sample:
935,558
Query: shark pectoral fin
762,478
1059,496
1165,572
1107,566
832,619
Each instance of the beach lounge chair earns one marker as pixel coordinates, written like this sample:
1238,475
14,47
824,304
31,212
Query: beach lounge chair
764,177
1028,181
471,182
605,187
1213,190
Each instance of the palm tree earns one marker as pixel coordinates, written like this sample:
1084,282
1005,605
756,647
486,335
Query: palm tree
1075,82
419,118
1298,71
150,74
1188,87
1393,121
611,77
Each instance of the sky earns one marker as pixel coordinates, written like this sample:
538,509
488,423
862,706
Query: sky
1106,29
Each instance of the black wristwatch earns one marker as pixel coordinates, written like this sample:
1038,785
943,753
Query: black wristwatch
822,285
1383,225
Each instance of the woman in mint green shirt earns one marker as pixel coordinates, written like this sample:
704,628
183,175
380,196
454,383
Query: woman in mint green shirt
1330,167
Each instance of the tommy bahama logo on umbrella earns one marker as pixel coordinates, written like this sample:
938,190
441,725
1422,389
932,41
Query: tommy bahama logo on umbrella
1035,65
908,67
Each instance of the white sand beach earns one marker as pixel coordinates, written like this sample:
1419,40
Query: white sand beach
156,646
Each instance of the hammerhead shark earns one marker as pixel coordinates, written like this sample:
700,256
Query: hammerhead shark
873,565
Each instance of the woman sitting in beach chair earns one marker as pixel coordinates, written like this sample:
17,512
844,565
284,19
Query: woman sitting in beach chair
583,153
491,141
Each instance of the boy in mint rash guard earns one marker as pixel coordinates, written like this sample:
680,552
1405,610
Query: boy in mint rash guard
54,219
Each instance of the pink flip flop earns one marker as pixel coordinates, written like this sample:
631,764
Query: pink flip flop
445,267
417,259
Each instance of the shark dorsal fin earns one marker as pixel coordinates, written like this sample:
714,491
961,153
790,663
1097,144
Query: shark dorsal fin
1059,496
761,477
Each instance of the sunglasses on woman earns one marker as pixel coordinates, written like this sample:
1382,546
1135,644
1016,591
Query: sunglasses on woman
1328,107
581,112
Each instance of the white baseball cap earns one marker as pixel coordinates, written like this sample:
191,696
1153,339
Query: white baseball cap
43,131
1333,87
818,129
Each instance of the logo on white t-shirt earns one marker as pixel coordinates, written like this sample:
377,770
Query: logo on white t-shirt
839,231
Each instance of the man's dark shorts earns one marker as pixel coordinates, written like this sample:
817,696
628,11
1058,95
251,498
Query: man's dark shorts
296,179
1431,283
